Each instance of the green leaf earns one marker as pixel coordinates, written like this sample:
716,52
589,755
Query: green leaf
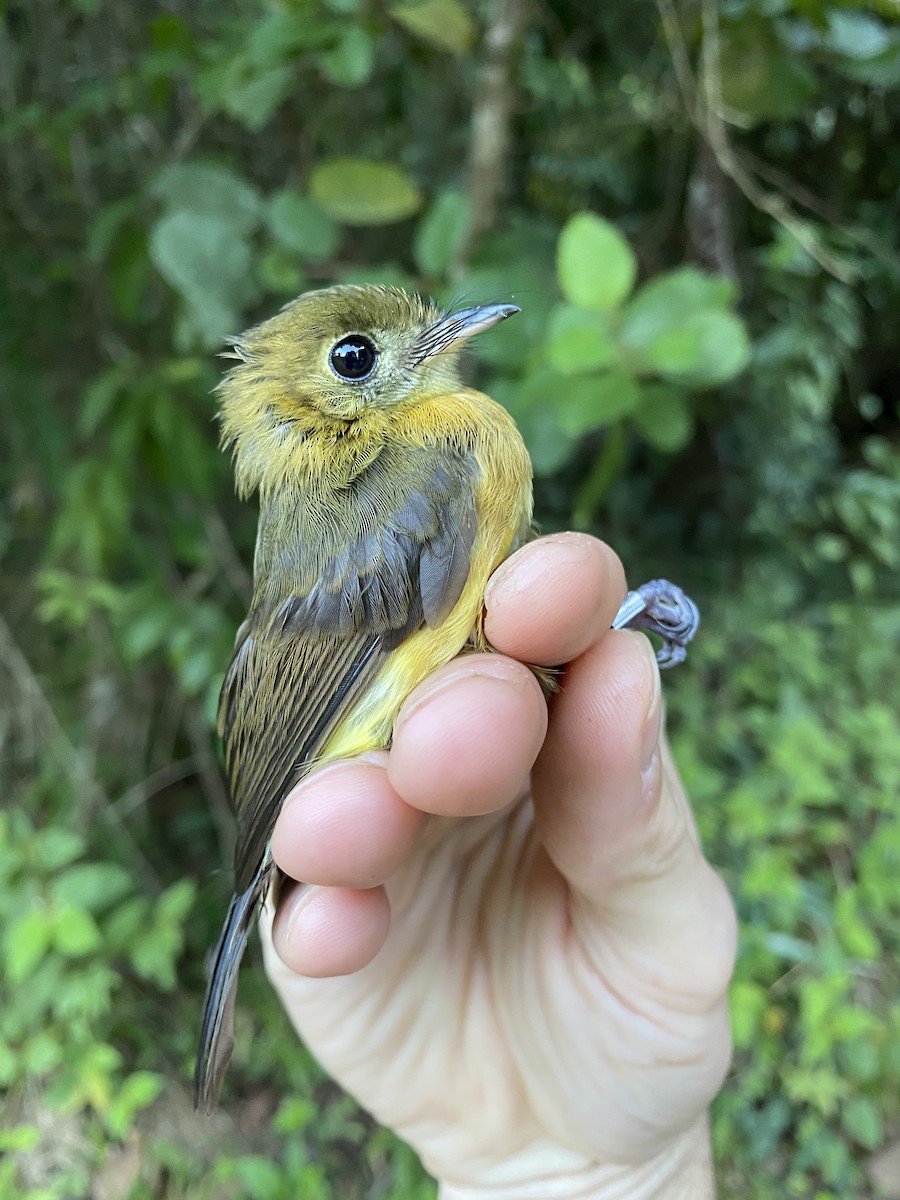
595,264
445,23
577,341
587,403
856,34
19,1138
202,257
862,1120
708,348
75,932
137,1092
211,189
663,417
106,227
284,30
748,1002
852,928
358,192
663,302
175,902
441,233
57,847
278,272
760,77
253,102
27,940
351,61
678,325
300,224
537,416
882,71
93,886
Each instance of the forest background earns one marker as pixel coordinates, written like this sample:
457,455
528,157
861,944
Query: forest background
696,206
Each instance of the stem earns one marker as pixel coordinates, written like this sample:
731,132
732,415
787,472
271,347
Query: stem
490,136
607,466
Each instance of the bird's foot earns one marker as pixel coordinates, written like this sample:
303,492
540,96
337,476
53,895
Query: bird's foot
662,608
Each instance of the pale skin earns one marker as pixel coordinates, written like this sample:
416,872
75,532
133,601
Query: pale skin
510,947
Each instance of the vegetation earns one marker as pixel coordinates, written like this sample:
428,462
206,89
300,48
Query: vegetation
695,205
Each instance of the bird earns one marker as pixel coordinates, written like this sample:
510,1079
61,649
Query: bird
388,493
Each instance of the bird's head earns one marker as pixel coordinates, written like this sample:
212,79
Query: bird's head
336,353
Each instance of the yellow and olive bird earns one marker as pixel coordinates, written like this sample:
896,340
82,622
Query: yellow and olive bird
388,493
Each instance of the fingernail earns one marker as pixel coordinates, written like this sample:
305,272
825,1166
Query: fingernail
652,722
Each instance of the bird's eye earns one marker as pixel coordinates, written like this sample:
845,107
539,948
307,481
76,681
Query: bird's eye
353,357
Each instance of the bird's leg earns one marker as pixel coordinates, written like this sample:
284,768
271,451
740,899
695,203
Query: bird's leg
662,608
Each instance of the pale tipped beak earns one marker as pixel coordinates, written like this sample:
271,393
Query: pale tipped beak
458,327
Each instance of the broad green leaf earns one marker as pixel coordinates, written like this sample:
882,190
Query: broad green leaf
441,232
254,101
282,31
578,341
94,886
679,326
42,1054
589,402
852,928
532,402
663,417
351,61
748,1003
595,264
204,259
301,224
75,931
175,902
137,1092
278,272
57,847
677,351
549,445
211,189
18,1138
27,941
534,391
857,35
106,226
358,192
99,396
707,349
663,302
760,77
862,1120
445,23
882,71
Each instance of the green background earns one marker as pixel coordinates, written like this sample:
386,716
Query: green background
695,205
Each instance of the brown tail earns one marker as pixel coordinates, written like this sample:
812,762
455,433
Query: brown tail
217,1026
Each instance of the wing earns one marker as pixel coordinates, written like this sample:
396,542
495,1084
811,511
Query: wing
340,585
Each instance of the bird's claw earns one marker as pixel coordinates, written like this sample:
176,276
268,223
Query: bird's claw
662,608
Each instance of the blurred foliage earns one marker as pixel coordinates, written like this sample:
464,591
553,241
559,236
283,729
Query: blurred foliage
696,210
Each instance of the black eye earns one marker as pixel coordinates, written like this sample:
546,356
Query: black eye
353,357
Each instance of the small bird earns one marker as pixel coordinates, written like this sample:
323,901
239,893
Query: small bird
388,494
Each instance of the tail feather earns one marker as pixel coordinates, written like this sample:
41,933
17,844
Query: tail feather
217,1025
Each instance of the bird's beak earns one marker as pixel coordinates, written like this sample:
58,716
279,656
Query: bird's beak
456,327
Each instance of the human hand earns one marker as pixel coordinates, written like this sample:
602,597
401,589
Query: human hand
528,985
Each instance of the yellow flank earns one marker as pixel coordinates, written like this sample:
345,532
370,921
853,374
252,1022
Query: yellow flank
504,507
